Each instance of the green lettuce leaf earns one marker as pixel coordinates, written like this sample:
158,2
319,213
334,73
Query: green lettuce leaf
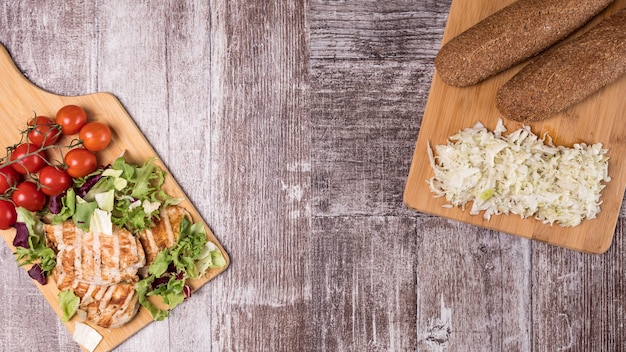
139,194
210,258
143,287
37,252
68,302
84,212
68,203
188,255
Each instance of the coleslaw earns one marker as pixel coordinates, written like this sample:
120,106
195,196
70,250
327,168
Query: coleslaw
519,173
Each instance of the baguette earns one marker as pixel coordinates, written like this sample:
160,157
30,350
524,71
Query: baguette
566,74
511,35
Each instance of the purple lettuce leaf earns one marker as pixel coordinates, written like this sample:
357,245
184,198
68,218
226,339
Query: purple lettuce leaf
37,274
21,235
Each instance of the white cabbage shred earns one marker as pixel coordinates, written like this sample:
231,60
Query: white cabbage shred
521,174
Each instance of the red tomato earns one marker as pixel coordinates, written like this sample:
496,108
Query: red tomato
71,118
28,158
8,215
95,136
54,181
8,178
80,162
28,196
45,131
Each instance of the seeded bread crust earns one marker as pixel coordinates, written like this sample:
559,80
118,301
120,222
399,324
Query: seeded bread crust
510,36
566,74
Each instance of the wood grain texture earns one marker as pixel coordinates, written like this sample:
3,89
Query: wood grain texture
19,98
473,288
260,135
304,116
451,109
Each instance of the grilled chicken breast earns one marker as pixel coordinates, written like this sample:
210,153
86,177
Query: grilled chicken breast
108,306
164,234
100,269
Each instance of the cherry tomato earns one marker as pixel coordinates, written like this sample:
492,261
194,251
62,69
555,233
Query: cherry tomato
54,181
45,131
71,118
80,162
8,178
28,196
8,215
28,158
95,136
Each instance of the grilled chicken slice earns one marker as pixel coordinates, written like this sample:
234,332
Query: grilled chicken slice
164,234
93,257
100,269
108,306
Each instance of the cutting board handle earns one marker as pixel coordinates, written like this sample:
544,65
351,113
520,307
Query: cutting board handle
12,76
19,96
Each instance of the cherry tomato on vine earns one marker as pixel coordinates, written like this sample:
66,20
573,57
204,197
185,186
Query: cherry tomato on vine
95,136
71,118
44,132
28,158
53,180
8,215
80,162
8,178
28,196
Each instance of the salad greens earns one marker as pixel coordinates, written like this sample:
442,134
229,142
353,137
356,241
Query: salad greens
130,197
30,244
122,194
69,304
189,258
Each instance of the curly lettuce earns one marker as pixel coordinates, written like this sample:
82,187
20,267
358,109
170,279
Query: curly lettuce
167,276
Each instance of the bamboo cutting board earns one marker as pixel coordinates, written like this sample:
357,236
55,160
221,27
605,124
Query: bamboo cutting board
19,99
600,118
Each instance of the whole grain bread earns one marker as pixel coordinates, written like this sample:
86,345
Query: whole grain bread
510,36
566,73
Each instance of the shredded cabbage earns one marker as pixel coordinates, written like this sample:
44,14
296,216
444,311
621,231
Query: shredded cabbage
519,174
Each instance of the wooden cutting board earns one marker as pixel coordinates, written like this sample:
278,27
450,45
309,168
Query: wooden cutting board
600,118
19,99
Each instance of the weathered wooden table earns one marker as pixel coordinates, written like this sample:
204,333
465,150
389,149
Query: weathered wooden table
291,126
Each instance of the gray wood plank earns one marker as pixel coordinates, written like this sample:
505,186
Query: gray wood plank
188,150
261,156
132,65
473,288
366,117
303,117
52,43
364,283
371,67
395,30
578,299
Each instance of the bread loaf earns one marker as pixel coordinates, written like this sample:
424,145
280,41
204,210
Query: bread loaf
567,73
510,36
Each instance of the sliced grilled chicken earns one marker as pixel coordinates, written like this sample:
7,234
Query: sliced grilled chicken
164,233
100,269
93,257
108,306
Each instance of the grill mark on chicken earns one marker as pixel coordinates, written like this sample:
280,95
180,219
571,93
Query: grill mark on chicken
101,269
97,258
78,252
108,306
